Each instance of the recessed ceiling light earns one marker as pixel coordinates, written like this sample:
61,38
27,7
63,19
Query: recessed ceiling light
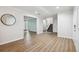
57,7
37,13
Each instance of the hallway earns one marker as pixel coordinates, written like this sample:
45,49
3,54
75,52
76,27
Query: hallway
46,42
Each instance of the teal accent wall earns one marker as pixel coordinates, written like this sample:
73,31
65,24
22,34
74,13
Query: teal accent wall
32,24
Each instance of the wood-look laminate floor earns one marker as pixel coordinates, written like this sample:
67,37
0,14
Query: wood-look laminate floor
47,42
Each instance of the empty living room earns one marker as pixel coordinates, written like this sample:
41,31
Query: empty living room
39,29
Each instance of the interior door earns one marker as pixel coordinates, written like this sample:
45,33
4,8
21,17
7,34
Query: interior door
76,27
74,22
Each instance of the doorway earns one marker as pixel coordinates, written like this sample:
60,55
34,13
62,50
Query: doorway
30,24
48,25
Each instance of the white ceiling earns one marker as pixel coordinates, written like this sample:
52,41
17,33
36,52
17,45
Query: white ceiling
44,11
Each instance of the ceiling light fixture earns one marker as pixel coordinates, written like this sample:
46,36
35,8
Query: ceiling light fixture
57,7
37,13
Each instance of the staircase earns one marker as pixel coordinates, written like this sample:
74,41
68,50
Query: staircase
50,28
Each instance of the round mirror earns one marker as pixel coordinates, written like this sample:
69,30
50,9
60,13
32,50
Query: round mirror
8,19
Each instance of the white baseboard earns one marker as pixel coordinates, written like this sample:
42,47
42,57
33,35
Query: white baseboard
65,37
39,32
1,43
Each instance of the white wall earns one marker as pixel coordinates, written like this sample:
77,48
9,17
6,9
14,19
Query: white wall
44,24
39,26
55,23
65,24
49,20
15,32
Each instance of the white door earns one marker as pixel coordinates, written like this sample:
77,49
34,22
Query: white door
76,27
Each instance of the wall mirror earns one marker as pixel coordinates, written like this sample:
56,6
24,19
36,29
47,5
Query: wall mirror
8,19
